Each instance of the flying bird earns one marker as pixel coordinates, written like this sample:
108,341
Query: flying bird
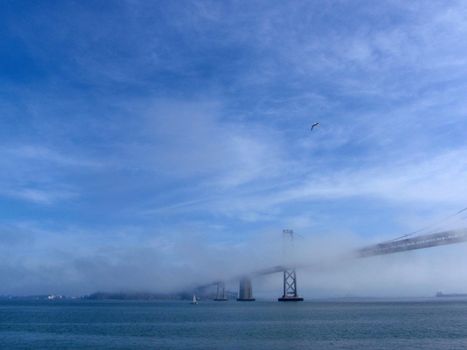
314,125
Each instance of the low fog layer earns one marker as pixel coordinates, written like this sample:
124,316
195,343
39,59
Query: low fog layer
76,263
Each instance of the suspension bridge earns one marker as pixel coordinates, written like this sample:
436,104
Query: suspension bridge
289,272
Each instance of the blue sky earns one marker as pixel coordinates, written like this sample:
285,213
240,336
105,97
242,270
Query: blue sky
149,139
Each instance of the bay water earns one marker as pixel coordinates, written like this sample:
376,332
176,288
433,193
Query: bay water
363,324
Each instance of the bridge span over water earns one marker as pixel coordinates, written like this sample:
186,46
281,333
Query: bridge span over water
289,272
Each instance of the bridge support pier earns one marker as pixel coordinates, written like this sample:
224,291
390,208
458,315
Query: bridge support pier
220,295
245,292
290,287
290,276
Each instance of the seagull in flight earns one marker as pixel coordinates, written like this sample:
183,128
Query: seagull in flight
314,125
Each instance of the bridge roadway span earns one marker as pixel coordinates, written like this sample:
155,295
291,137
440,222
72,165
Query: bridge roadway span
418,242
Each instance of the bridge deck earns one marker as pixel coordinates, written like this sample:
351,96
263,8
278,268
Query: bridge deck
419,242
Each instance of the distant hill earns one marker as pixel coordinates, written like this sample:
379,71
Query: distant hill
136,296
451,295
152,296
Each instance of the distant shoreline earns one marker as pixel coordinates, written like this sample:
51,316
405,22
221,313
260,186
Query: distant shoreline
451,295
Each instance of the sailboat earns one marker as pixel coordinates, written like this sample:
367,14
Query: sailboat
195,301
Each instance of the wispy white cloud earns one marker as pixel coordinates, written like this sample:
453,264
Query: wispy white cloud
439,179
40,196
190,140
39,153
36,173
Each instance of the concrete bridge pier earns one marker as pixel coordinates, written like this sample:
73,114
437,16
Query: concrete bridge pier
245,292
220,295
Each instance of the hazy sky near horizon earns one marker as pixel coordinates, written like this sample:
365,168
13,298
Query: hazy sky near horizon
152,144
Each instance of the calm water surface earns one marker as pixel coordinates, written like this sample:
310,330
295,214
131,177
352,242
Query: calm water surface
233,325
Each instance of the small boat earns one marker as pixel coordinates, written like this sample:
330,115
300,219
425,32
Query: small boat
194,301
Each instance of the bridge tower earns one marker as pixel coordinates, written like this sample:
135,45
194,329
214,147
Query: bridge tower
220,295
245,292
290,276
